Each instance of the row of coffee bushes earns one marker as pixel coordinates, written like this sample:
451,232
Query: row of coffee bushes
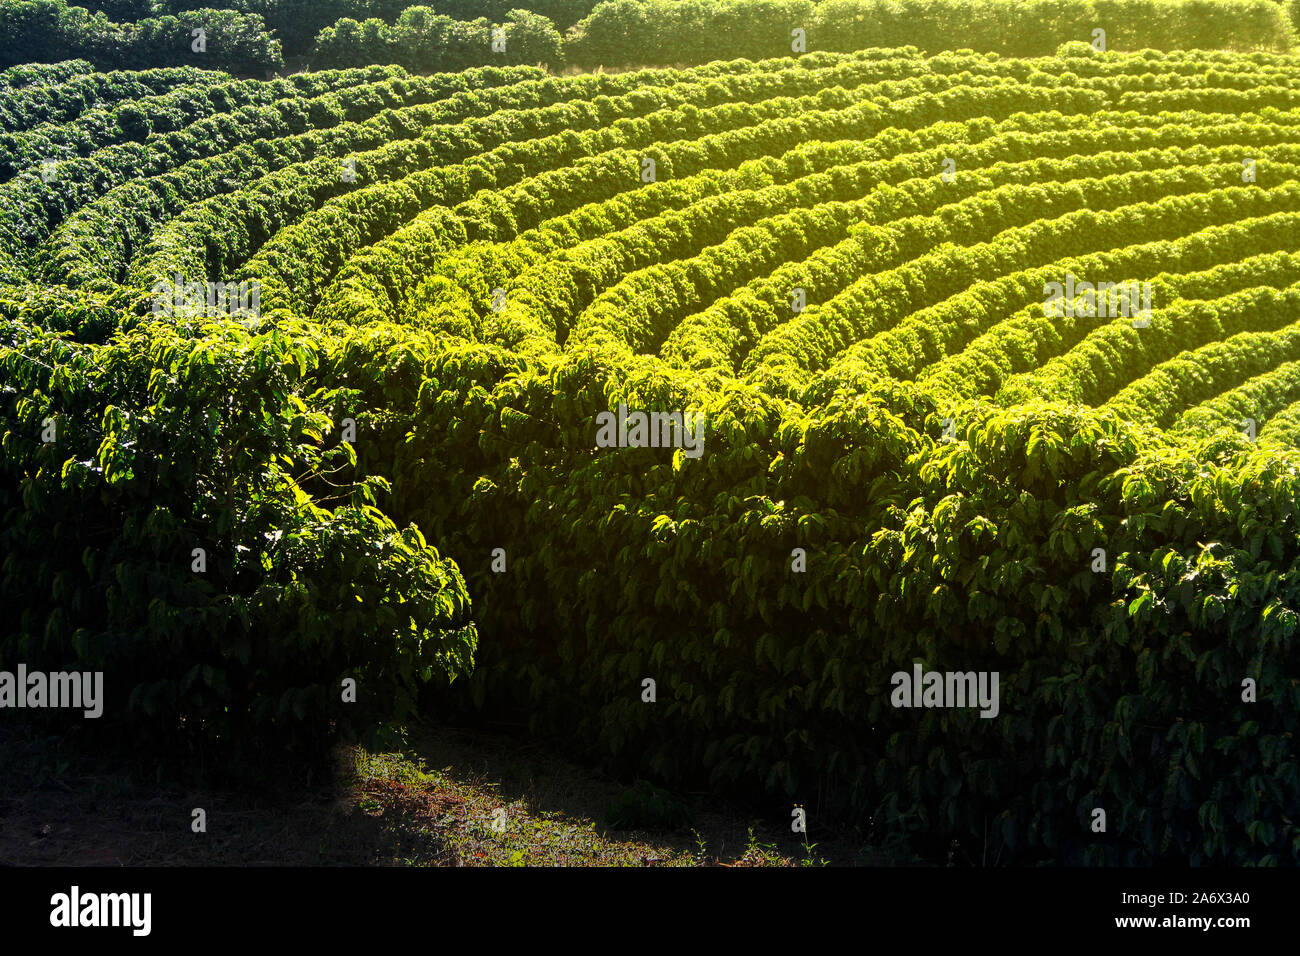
253,36
202,553
667,31
426,41
296,22
51,30
1124,589
624,33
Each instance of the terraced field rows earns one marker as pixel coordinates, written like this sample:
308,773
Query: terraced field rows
843,262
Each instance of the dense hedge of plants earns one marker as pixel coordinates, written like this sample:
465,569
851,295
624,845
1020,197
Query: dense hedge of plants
1119,690
251,36
51,30
426,41
670,31
180,513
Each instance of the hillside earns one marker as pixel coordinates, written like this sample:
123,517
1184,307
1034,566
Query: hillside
690,416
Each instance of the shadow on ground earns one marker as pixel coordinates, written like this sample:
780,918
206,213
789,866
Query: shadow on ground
449,797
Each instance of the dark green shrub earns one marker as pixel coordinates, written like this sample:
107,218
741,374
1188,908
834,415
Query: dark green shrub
644,806
166,442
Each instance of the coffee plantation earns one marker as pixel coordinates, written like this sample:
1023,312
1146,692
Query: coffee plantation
844,261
